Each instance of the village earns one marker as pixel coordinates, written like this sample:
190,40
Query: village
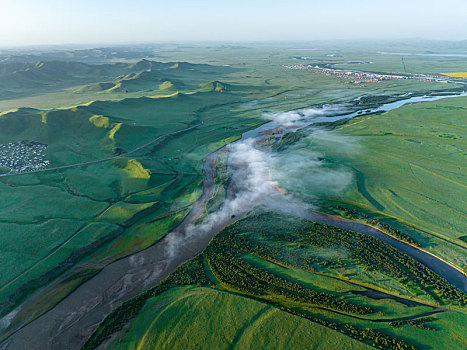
23,156
355,76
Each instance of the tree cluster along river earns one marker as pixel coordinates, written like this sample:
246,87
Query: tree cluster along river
70,322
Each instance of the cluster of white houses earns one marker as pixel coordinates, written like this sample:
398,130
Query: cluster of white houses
347,74
23,156
358,77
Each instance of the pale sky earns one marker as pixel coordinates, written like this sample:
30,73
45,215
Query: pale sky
33,22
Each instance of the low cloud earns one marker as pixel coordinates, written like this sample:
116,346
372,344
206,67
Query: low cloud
308,174
303,168
250,169
258,175
302,117
338,142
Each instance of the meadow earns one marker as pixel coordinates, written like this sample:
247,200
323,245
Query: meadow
269,265
410,167
205,317
73,221
137,196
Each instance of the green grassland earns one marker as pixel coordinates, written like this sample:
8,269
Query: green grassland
411,166
136,199
269,265
193,317
250,65
31,78
139,197
71,222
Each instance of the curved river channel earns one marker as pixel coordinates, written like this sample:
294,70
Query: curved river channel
68,324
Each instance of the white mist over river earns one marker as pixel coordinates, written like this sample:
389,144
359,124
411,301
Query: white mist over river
261,176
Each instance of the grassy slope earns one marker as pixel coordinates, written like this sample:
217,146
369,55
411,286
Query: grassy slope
231,312
139,194
193,318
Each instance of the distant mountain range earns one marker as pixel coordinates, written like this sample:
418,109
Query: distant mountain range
24,79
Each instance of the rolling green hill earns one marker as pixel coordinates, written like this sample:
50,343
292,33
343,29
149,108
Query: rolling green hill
202,317
23,79
134,200
215,86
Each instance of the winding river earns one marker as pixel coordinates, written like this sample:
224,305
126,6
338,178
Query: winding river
69,323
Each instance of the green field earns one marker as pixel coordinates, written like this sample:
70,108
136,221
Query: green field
126,134
137,196
191,318
286,264
410,165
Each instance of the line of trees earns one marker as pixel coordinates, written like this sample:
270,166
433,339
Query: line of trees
418,323
369,251
359,215
224,257
375,338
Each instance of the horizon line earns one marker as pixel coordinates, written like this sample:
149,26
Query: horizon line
206,41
